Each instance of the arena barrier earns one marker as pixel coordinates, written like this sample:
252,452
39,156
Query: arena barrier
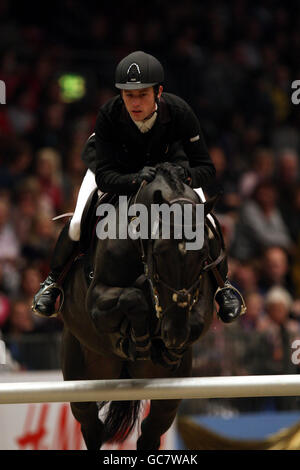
150,389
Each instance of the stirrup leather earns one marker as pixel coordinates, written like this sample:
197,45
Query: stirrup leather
243,307
53,285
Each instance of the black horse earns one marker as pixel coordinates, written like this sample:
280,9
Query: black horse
147,302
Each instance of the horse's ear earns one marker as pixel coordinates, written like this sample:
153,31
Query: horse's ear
210,204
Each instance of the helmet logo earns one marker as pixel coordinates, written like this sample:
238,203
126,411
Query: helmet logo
134,73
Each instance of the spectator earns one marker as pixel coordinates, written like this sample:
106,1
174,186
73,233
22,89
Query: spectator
295,270
26,206
224,182
280,330
17,165
4,303
260,225
9,247
21,116
30,281
245,277
288,185
288,169
49,177
51,132
275,270
20,325
41,239
20,319
262,168
4,309
254,319
10,364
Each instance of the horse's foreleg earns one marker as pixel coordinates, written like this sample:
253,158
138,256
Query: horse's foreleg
73,367
159,420
103,305
109,306
133,302
162,412
92,427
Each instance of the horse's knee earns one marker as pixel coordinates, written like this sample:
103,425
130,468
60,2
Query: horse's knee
104,308
133,302
105,322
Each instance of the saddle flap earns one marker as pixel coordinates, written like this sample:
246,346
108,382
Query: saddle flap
88,227
88,220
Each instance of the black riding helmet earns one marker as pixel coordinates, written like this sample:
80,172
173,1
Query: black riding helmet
138,70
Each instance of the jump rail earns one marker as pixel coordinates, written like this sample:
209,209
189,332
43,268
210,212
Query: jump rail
150,389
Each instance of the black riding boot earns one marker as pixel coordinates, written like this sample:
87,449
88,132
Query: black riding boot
230,300
44,301
231,303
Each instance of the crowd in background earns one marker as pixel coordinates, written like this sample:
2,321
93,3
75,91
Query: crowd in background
234,63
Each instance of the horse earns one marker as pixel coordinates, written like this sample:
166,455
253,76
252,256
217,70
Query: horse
137,316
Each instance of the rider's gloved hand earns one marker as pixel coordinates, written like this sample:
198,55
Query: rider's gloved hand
147,173
184,174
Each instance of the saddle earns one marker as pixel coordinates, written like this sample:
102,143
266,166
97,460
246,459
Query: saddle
88,227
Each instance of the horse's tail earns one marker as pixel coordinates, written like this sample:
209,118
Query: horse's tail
121,418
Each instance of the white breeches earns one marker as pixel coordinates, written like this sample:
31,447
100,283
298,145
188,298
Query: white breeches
200,193
88,185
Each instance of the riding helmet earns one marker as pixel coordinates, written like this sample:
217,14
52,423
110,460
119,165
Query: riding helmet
138,70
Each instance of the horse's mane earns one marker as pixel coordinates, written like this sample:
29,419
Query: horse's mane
168,171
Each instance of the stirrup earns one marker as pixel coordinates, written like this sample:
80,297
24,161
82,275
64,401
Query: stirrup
243,307
53,285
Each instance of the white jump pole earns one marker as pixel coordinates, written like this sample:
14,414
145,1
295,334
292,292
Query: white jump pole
150,389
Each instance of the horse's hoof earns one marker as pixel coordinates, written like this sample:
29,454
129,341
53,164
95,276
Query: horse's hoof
142,346
126,349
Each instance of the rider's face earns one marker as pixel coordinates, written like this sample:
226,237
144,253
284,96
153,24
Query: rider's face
140,103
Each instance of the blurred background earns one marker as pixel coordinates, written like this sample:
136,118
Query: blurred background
234,62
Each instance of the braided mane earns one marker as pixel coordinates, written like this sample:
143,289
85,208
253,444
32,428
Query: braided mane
168,171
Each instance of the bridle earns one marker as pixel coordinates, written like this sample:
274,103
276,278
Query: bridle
184,298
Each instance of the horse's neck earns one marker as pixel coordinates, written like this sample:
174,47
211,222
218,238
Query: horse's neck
168,191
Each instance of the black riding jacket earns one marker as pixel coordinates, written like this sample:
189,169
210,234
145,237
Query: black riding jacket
122,149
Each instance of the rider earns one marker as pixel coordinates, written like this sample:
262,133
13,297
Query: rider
135,130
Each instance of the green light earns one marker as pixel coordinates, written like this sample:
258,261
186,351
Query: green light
72,87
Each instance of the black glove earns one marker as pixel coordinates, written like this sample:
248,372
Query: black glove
147,173
184,174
